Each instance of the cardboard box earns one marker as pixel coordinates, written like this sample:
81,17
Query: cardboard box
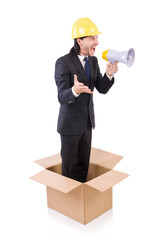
82,202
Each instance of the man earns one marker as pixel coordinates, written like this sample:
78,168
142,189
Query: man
76,75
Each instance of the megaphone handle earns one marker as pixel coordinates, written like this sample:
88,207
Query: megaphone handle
113,64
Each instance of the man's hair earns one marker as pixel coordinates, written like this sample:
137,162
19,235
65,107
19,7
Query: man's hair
76,47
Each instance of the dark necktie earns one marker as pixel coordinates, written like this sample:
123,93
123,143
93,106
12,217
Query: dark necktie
87,69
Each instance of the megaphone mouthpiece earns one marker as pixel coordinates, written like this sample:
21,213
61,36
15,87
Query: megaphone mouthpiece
126,57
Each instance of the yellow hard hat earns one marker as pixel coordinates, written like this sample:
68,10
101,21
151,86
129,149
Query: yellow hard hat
84,27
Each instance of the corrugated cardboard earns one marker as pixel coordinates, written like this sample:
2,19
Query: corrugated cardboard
81,201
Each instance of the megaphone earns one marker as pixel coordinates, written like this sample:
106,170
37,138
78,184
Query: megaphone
126,57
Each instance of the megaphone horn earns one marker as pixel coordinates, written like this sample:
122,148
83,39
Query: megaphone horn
126,57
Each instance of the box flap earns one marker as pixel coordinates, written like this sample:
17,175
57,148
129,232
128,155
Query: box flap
107,180
49,161
56,181
103,158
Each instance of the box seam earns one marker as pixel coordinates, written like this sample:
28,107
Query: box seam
84,217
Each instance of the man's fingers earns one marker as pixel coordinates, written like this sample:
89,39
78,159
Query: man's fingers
85,89
80,84
89,91
75,78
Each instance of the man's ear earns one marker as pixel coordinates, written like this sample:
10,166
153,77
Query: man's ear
79,41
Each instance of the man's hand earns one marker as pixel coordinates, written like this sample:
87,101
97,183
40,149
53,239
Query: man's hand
80,87
111,68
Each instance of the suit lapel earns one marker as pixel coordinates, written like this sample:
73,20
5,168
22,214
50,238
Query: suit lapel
80,68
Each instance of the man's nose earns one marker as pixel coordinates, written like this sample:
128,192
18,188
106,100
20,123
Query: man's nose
96,42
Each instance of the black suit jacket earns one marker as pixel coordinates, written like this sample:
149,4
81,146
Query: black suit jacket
75,112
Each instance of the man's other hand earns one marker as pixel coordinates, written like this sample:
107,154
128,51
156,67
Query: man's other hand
111,68
80,87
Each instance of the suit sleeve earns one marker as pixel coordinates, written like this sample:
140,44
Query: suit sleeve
103,83
64,82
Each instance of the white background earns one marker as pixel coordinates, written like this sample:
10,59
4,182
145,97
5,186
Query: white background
33,34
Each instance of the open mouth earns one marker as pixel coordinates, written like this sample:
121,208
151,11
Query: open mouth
93,50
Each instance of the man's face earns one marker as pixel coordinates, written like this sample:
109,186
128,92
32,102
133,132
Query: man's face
88,45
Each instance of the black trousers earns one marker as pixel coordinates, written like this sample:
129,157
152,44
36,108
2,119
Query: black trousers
75,153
